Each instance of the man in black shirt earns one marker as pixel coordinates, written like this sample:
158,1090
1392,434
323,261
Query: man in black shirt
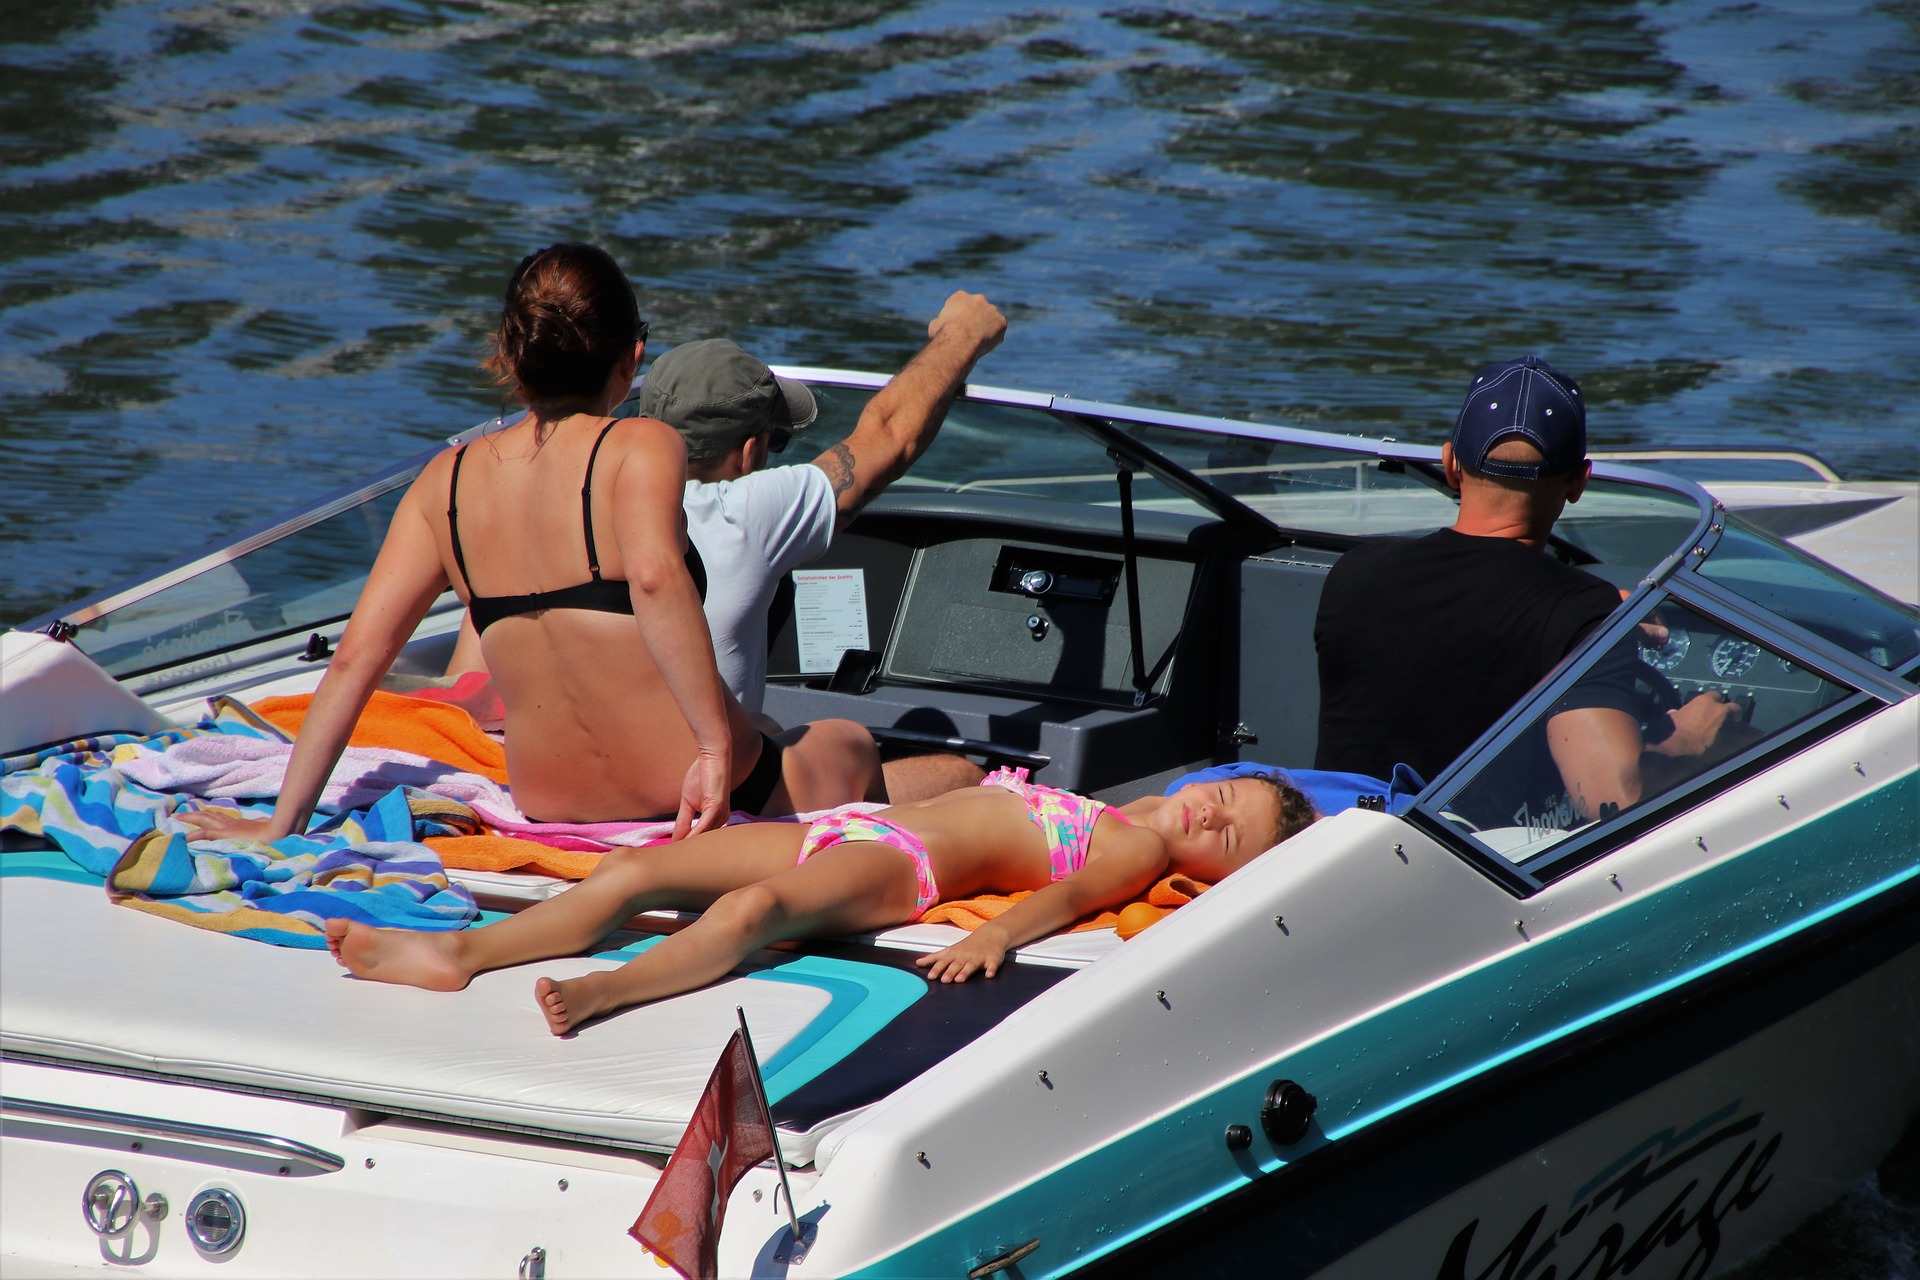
1425,642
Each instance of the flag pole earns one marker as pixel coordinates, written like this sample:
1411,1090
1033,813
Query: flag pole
766,1113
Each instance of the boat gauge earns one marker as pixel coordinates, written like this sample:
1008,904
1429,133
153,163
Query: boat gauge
1667,656
1734,657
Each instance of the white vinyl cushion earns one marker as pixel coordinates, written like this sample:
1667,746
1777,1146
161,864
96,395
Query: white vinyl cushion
87,982
51,692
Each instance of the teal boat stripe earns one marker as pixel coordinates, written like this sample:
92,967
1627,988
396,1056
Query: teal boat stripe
1854,838
1639,998
47,864
866,997
861,999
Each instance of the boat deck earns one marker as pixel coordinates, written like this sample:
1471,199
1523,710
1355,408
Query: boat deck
838,1025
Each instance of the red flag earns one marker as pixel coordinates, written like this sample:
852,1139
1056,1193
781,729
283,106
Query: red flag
727,1136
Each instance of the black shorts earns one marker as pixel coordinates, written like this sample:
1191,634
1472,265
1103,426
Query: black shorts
756,788
754,791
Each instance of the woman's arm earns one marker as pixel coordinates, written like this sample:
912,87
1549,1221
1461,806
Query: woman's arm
1126,868
650,527
407,577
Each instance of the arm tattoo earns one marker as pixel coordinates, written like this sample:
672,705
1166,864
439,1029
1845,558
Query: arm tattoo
837,462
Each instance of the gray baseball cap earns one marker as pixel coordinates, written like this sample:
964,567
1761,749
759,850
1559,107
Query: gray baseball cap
713,389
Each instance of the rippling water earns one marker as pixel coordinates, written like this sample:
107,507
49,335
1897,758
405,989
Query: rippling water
248,249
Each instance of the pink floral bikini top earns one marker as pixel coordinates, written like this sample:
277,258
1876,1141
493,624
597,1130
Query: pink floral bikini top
1064,818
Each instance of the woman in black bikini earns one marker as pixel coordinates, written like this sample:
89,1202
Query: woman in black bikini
564,534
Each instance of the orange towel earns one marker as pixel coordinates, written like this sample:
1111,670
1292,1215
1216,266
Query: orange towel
1170,892
509,853
437,730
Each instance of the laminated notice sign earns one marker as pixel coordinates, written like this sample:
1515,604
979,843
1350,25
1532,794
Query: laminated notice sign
830,614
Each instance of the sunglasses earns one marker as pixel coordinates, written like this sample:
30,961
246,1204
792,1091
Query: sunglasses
777,439
645,329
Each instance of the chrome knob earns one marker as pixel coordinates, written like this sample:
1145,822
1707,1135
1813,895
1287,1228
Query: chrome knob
111,1203
1036,582
215,1221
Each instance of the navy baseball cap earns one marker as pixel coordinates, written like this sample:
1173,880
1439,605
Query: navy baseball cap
1526,399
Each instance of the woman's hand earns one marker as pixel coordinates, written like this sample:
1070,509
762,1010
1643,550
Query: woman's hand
981,949
704,793
225,824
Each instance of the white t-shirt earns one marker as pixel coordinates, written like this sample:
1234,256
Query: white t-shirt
749,533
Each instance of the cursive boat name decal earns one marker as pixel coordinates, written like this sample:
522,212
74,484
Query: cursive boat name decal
1676,1201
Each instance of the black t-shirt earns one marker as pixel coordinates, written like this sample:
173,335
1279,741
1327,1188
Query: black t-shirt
1425,642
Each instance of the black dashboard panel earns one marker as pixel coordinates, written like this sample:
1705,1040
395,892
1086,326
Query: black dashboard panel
1020,621
1068,633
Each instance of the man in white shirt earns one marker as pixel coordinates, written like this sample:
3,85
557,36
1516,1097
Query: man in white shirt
753,524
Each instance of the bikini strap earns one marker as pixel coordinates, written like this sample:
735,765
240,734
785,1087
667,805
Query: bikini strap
586,503
453,517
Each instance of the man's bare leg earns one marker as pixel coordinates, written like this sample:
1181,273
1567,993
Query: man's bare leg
919,777
825,764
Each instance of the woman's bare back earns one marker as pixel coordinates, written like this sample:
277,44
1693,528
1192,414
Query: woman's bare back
594,732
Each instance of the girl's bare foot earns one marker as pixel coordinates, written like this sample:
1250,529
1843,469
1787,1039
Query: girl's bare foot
568,1004
405,956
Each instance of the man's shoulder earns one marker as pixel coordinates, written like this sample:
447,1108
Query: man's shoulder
787,512
1385,554
784,486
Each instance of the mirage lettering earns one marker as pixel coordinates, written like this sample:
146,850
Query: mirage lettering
1689,1214
1555,820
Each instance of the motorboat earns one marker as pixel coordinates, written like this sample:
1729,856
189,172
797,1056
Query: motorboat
1467,1032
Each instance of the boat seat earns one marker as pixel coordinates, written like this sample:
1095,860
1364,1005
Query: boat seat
55,693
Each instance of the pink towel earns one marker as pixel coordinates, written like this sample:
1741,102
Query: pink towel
235,767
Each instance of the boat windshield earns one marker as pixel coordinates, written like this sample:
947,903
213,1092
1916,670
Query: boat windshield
1677,695
1348,493
291,586
1825,601
1631,525
996,448
1301,487
306,574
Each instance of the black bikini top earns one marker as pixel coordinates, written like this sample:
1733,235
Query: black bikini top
607,595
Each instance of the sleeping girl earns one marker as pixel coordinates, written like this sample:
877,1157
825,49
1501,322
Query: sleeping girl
765,882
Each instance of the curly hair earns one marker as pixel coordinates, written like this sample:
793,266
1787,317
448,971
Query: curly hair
1295,812
570,317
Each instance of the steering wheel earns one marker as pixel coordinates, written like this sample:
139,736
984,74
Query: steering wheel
1652,686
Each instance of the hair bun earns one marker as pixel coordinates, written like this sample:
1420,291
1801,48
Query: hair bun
570,316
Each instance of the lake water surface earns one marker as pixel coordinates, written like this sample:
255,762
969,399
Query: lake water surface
248,250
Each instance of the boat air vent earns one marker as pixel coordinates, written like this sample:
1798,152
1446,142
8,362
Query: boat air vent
216,1222
1287,1113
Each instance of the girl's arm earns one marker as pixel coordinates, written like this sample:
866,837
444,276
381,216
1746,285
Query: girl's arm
651,528
406,579
1131,859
